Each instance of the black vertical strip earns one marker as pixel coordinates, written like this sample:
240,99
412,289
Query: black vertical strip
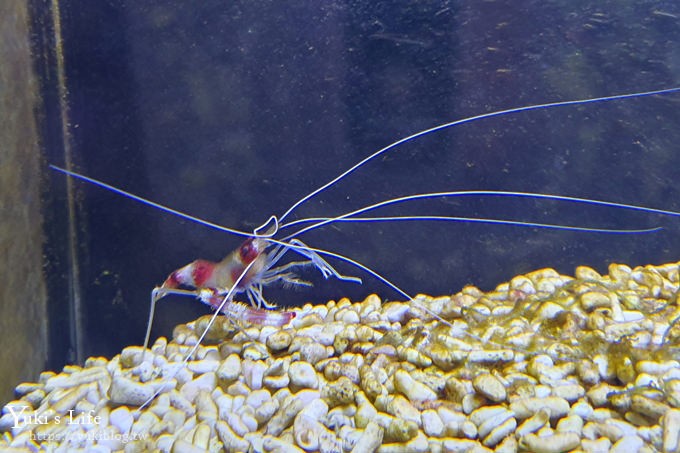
106,134
103,132
60,325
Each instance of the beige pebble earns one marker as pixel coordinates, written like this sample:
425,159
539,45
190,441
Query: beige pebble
62,380
248,418
509,444
648,407
671,431
452,445
526,407
401,408
230,440
255,352
395,311
229,370
493,424
472,401
347,316
582,408
256,398
280,445
180,402
122,419
313,352
594,430
144,423
201,438
253,373
27,387
534,423
36,397
549,310
370,383
413,356
238,389
571,424
284,417
491,356
278,341
236,424
602,414
557,443
316,409
588,372
276,382
370,439
311,435
569,392
599,395
126,391
266,411
206,409
627,444
601,445
656,368
340,391
499,432
414,390
464,429
70,398
365,414
432,423
174,419
418,444
131,356
626,428
302,375
339,417
490,387
399,430
205,382
486,413
202,366
351,371
179,372
647,380
592,300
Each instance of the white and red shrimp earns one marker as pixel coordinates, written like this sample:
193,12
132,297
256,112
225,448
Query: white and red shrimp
211,281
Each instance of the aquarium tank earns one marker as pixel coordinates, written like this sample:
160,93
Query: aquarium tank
231,112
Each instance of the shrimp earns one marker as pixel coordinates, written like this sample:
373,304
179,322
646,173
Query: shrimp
212,281
245,270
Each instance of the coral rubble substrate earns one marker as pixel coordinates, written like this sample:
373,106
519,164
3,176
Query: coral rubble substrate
544,363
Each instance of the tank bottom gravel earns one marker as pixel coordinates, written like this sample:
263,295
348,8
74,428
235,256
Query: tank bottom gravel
544,363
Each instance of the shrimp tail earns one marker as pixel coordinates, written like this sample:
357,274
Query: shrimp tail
241,312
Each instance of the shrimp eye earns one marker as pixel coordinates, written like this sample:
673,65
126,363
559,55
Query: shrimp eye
248,251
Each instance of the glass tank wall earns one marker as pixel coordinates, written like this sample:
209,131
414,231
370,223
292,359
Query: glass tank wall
23,316
232,111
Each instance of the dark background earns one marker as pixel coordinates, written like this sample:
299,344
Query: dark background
232,111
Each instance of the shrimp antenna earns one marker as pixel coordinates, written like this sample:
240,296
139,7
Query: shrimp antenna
322,221
493,193
167,209
470,120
